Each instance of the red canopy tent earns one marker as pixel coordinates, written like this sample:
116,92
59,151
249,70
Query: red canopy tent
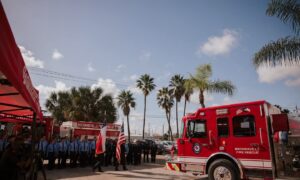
18,98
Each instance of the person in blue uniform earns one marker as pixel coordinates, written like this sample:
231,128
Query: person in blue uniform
51,154
73,150
42,147
84,149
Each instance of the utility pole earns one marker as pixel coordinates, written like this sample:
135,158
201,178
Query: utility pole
163,129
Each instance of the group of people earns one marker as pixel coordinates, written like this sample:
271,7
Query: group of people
16,156
81,152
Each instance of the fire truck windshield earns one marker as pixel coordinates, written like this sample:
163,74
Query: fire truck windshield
196,129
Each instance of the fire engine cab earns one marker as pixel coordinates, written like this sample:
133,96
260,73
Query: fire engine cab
238,141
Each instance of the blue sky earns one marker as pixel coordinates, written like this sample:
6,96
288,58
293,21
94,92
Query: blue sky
114,42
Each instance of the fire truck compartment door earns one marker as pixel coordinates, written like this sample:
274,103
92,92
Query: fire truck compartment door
280,122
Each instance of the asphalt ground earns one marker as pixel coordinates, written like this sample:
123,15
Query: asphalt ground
144,171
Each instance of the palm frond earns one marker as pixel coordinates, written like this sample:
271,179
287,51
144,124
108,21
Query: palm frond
282,51
225,87
286,10
203,72
146,84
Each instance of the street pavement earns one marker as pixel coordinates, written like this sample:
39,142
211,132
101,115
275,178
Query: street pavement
144,171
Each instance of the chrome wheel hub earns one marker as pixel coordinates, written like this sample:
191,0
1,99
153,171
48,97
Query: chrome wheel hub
222,173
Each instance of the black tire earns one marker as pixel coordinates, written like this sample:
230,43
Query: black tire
227,168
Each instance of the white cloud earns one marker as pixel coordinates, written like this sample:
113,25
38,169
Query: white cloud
133,77
120,68
47,90
219,45
29,59
289,74
134,89
145,56
90,67
56,55
108,86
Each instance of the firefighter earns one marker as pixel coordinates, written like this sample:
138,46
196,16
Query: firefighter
73,149
92,150
99,154
2,143
129,156
146,150
51,154
84,149
108,152
64,152
153,152
122,160
42,147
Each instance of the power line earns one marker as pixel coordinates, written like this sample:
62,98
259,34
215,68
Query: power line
63,76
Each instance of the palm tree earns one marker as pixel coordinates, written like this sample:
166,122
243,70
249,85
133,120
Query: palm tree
177,90
188,91
201,81
285,50
59,104
165,101
81,104
125,102
146,84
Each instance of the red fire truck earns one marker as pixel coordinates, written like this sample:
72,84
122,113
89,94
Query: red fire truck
238,141
90,129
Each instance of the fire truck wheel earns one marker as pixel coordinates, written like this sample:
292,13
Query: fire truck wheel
222,169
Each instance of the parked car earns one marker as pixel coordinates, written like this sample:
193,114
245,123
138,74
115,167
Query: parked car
167,145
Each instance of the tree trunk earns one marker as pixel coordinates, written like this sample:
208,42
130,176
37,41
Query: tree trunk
169,124
201,98
128,128
177,135
184,107
144,116
170,128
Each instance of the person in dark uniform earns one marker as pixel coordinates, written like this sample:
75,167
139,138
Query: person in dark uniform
153,152
122,160
139,152
146,149
108,152
135,153
129,156
99,154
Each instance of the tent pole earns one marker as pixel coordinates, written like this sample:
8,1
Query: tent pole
34,138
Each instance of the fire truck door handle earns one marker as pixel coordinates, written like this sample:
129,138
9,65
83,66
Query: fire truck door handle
260,136
209,136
